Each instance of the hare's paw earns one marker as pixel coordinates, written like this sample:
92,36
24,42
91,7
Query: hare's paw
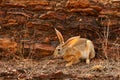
87,61
68,64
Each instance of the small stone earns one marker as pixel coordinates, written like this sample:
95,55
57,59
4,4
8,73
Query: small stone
50,62
43,76
97,67
46,40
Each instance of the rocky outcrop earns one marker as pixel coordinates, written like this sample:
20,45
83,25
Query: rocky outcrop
35,20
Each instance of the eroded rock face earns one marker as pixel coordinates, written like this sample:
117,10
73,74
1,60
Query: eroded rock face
36,19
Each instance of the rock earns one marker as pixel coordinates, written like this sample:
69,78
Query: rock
40,23
107,12
1,1
43,50
86,11
58,74
89,76
72,17
53,3
102,16
43,76
49,14
11,24
46,40
39,7
53,15
13,5
115,1
97,8
21,76
21,19
111,23
77,3
50,62
43,3
44,47
98,67
11,21
20,13
117,14
6,43
2,12
9,47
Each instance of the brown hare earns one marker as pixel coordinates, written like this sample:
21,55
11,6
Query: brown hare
74,48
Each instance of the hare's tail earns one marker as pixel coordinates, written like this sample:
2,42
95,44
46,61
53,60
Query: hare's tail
91,49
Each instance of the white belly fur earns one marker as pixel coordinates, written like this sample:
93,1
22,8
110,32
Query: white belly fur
84,54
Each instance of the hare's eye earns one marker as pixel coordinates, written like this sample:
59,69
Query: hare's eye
58,49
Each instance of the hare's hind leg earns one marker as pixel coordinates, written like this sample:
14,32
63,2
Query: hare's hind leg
88,46
90,51
88,58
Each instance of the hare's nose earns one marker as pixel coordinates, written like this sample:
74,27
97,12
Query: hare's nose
59,52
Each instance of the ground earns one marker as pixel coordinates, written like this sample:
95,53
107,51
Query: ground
55,69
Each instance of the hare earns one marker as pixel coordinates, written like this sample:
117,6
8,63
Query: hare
74,48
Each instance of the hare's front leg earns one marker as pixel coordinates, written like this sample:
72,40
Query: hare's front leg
69,63
73,60
70,60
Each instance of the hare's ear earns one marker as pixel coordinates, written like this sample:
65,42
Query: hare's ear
59,35
71,41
